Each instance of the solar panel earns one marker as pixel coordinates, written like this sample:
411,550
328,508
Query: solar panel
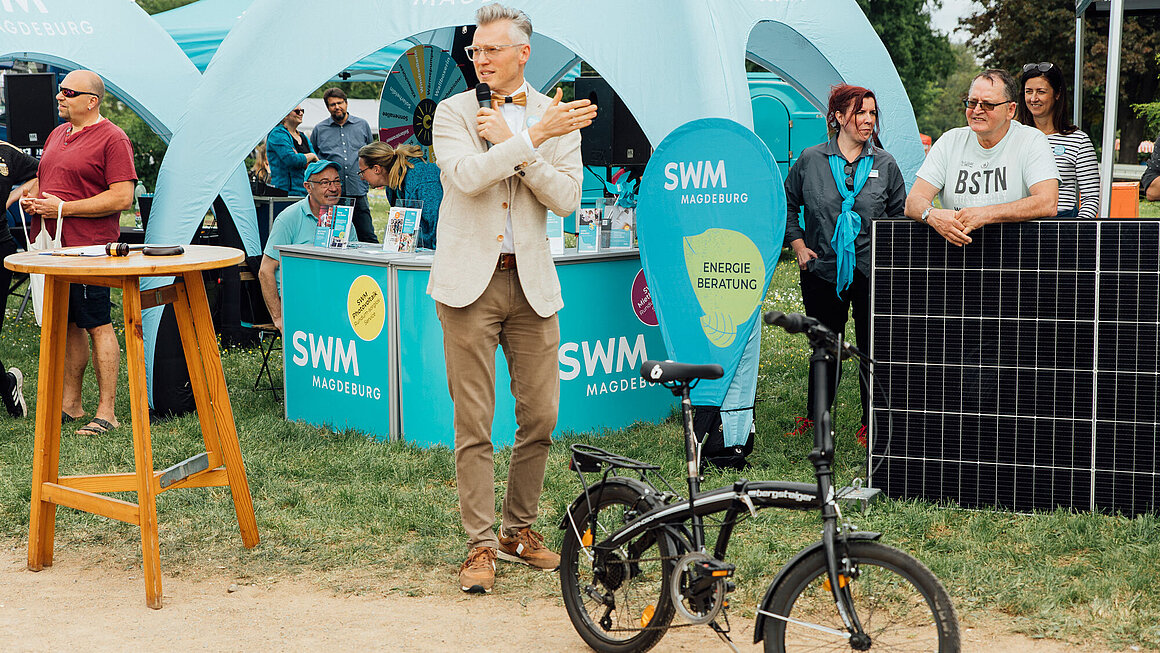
1021,371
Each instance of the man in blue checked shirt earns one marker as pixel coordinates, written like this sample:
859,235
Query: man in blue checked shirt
338,139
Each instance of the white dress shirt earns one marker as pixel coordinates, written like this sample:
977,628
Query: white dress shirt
513,115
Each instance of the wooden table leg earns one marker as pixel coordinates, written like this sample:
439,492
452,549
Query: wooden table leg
197,380
223,414
142,444
46,453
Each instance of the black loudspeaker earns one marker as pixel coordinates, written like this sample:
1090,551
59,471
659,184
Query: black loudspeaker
172,391
463,37
614,138
31,102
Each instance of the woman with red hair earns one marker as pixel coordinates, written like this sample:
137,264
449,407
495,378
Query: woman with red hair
837,188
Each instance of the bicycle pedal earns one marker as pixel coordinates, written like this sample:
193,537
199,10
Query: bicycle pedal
713,568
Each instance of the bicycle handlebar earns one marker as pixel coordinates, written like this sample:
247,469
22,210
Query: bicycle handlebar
819,334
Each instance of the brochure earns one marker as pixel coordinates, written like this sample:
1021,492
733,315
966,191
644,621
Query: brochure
333,229
588,239
325,227
622,225
556,233
403,226
340,233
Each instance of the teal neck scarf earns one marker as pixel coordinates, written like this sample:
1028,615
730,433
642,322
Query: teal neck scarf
849,223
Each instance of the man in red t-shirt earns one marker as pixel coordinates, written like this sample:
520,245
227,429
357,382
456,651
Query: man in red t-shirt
86,177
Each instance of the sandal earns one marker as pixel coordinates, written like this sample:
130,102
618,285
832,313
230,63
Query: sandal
97,426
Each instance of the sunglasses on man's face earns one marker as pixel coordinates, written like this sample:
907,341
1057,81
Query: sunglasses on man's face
69,93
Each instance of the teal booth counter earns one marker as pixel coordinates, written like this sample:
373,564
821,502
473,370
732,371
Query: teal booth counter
363,348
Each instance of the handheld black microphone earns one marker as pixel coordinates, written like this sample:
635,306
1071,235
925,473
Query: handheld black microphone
483,94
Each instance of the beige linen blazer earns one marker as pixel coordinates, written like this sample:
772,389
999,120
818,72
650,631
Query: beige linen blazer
478,187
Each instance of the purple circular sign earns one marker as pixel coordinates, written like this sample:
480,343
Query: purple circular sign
642,303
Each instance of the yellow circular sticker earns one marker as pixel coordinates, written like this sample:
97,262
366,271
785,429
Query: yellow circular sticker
366,308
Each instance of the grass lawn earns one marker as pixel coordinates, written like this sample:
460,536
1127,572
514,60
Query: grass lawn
366,517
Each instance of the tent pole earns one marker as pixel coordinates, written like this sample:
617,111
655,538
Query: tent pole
1111,100
1077,88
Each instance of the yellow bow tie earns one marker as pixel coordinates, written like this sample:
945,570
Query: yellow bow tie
519,99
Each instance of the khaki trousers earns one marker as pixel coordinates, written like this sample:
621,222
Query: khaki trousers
501,316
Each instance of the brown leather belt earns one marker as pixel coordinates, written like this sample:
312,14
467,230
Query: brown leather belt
506,262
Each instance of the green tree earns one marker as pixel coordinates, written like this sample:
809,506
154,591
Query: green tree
945,111
921,54
1010,33
157,6
148,148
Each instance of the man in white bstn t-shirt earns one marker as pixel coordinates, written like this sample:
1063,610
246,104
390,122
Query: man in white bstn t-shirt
993,170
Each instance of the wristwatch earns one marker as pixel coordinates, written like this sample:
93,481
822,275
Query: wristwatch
926,214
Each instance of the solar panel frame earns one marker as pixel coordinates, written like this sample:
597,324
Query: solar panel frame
1021,371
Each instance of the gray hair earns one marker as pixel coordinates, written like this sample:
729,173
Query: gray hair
1002,78
494,12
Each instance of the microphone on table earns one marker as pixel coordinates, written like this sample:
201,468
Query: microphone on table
123,249
483,96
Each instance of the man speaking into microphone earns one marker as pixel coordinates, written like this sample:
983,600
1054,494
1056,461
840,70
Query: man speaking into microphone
504,164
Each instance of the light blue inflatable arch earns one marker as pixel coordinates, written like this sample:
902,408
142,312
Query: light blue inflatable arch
814,44
625,41
143,67
671,61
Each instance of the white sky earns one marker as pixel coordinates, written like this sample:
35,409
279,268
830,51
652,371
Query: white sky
947,18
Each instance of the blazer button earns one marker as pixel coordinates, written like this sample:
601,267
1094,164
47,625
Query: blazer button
499,238
505,205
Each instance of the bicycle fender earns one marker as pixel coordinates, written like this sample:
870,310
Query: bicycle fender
593,489
759,625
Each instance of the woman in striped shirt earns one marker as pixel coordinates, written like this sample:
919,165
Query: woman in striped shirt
1044,106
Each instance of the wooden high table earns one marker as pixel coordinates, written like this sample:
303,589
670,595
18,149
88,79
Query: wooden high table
220,465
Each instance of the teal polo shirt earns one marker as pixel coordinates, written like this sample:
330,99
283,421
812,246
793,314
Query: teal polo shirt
295,225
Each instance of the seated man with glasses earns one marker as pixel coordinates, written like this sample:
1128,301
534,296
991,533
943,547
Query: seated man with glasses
993,170
296,225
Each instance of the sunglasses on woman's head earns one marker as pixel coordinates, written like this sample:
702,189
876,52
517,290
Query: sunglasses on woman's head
69,93
1042,66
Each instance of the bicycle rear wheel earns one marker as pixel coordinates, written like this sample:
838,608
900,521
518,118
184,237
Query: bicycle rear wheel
622,605
900,603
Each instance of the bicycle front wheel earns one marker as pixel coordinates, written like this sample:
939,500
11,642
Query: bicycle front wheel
619,604
900,603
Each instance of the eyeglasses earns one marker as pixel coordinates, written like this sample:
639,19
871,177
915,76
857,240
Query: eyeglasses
299,111
971,105
325,182
362,171
69,93
489,50
1042,66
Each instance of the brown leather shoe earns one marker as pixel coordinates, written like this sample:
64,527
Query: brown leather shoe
527,547
477,575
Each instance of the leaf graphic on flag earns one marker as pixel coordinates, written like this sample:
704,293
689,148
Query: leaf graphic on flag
728,274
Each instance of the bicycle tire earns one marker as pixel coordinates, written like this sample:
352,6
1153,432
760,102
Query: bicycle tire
637,581
900,603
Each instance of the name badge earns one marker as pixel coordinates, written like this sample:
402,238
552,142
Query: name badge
873,174
1059,150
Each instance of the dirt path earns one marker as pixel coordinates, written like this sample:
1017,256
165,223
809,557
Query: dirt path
77,603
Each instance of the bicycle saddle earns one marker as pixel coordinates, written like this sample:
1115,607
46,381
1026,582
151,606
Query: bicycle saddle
664,371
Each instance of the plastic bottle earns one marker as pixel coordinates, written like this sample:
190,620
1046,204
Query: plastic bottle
137,193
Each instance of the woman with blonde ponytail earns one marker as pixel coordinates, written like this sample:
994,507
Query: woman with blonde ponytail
403,170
